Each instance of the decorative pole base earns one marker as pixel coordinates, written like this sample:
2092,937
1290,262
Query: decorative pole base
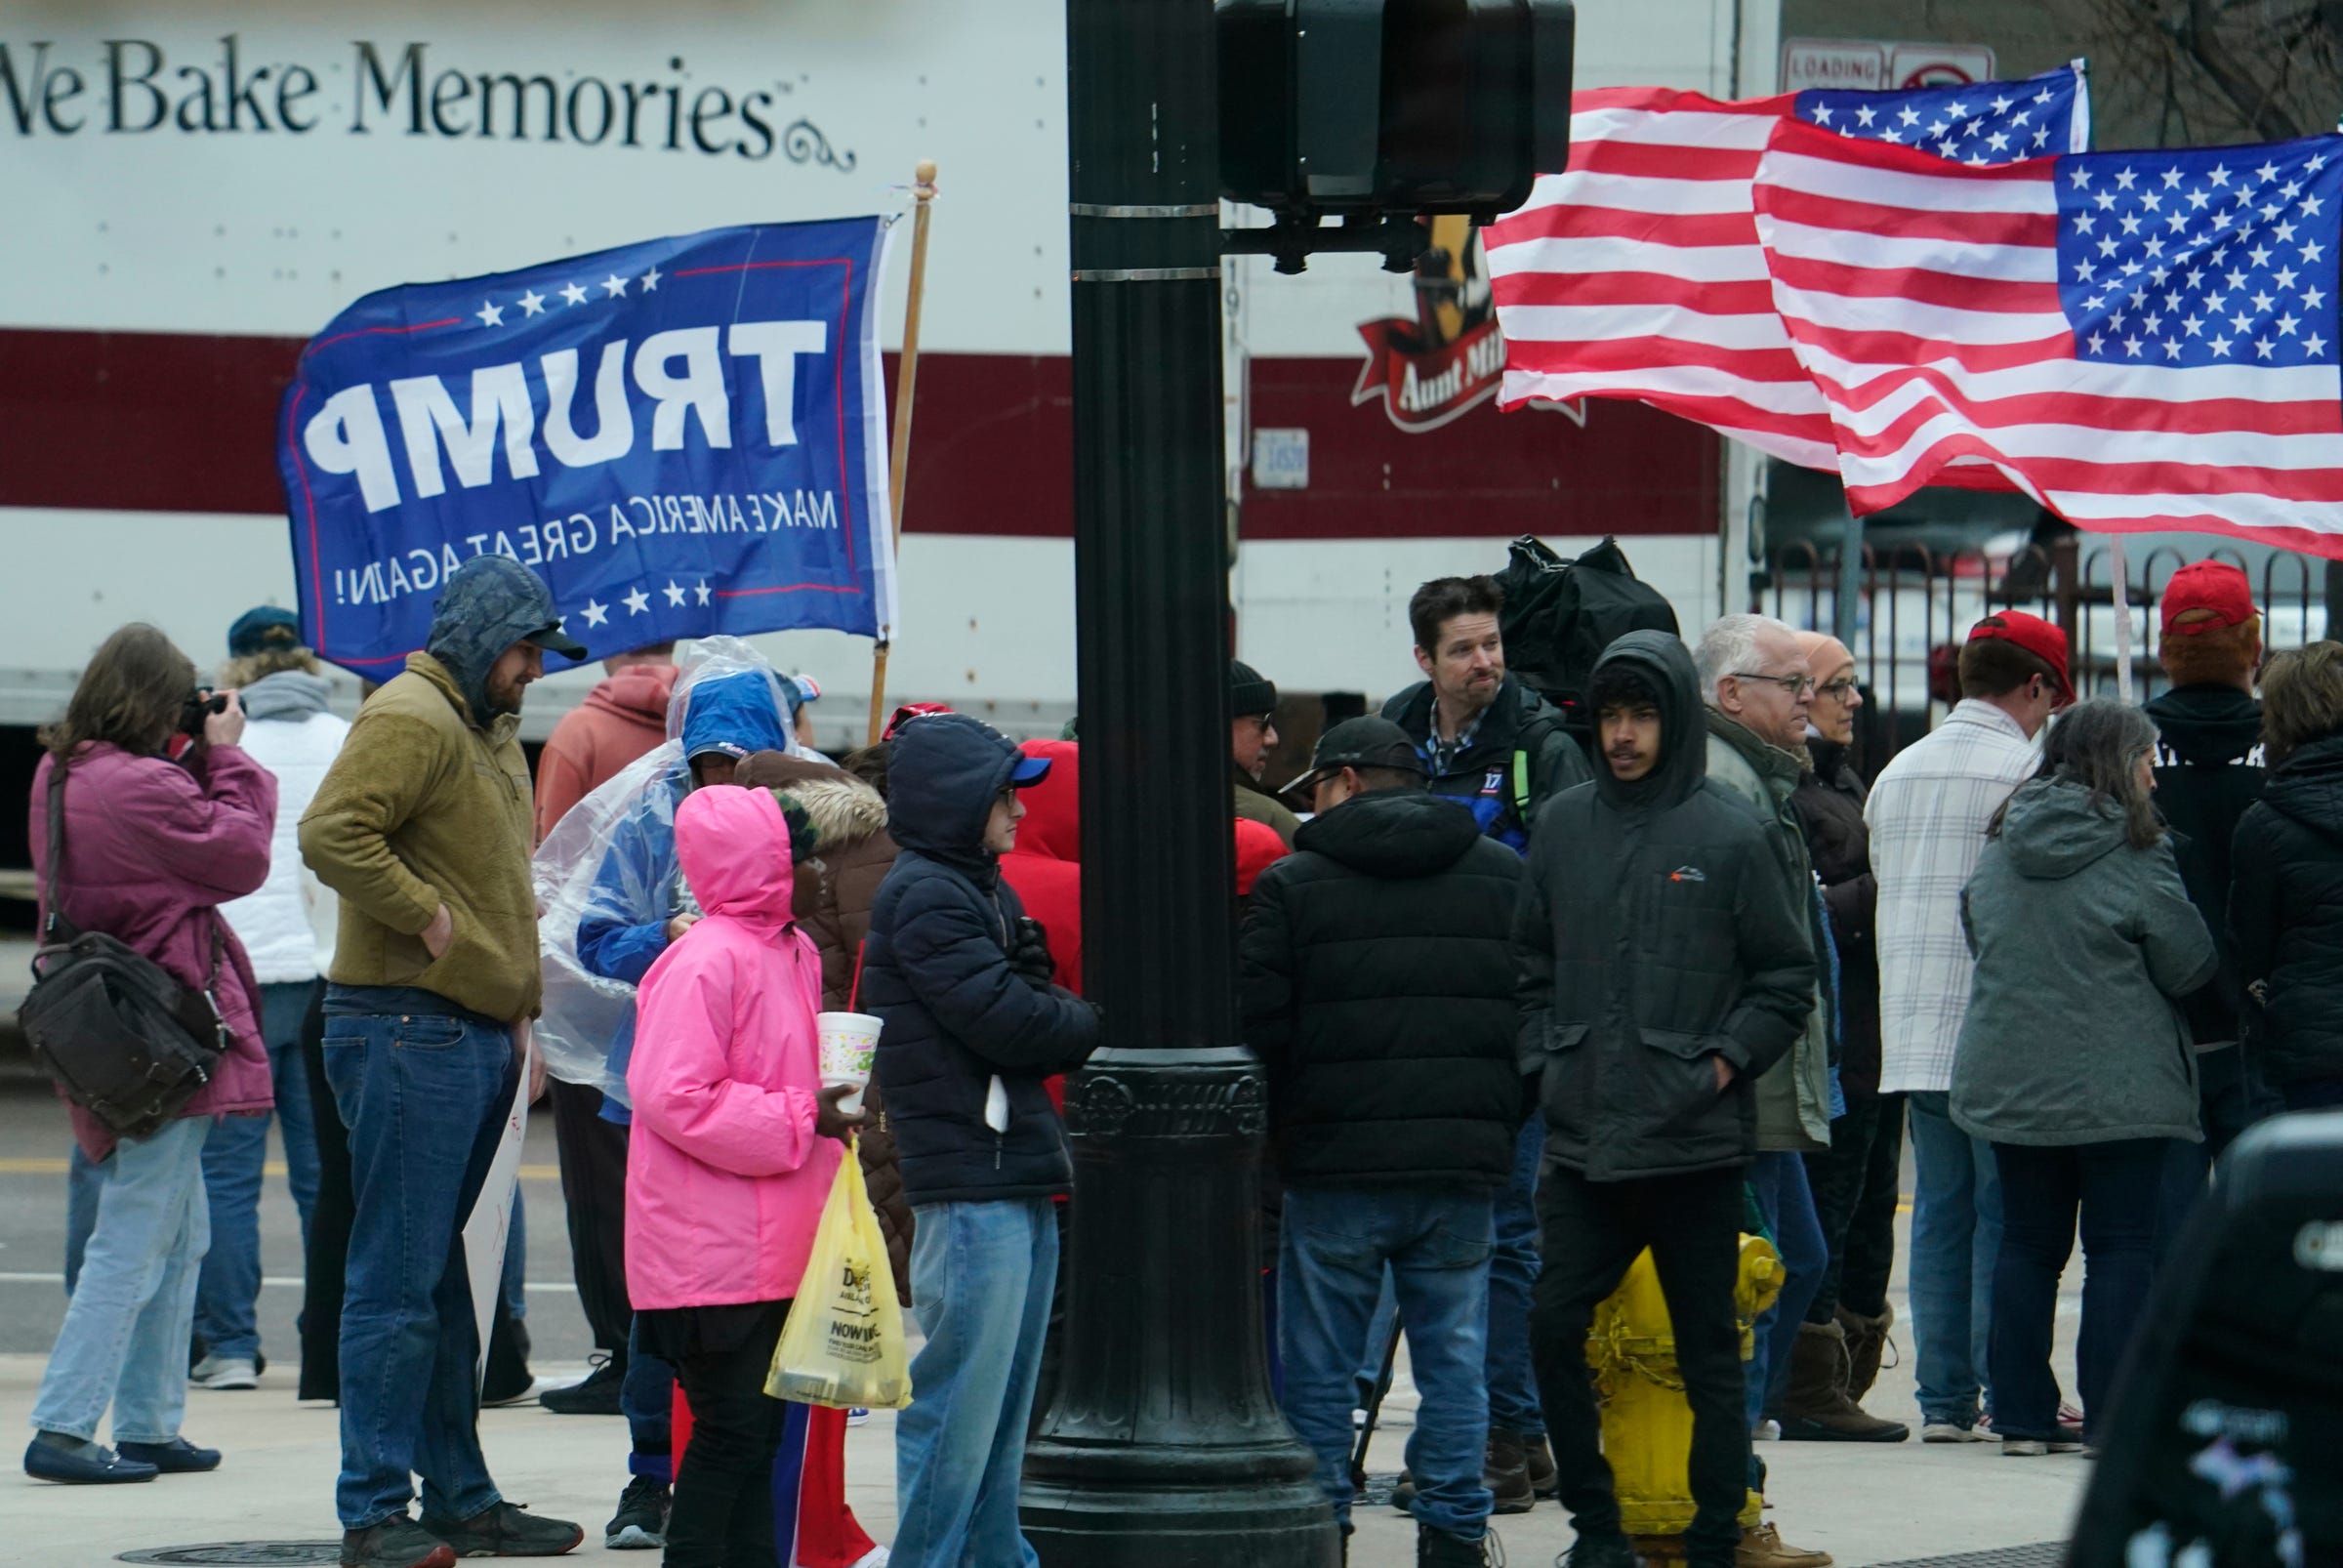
1163,1448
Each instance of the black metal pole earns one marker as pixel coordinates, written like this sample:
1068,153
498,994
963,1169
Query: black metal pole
1162,1446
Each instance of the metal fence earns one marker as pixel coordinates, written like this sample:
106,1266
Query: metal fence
1912,607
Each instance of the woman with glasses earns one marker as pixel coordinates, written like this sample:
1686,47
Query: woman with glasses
2074,1064
1855,1181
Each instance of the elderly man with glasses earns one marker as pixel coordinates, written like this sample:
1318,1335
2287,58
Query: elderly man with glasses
1760,693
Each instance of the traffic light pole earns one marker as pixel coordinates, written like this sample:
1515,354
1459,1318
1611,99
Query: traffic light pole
1162,1445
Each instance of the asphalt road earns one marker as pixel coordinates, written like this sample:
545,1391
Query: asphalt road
34,1142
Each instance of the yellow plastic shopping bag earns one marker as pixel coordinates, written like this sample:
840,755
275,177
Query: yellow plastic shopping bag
843,1345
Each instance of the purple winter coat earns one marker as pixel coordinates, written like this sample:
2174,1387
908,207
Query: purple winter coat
153,848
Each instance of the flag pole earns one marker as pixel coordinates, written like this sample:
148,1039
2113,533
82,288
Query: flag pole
907,375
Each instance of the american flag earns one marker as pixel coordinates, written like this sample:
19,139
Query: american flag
1635,273
2139,339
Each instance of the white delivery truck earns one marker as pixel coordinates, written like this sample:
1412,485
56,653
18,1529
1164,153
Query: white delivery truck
194,188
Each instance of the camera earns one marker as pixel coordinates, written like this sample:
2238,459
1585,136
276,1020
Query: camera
200,705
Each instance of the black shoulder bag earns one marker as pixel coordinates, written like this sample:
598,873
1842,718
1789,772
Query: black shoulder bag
122,1037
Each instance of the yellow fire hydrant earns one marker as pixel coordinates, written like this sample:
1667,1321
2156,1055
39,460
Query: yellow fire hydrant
1647,1423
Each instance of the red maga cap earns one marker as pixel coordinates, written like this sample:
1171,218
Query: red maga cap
2208,585
2036,636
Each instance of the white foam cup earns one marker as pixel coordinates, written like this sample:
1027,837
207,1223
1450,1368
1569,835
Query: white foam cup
848,1041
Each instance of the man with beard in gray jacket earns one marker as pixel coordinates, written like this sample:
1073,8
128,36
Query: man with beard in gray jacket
1664,966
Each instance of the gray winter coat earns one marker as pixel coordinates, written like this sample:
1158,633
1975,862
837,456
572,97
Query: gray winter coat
2082,944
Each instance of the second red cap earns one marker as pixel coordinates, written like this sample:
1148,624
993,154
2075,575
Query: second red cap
2036,636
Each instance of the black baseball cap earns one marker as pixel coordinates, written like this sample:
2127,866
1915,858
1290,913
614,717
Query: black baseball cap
1363,742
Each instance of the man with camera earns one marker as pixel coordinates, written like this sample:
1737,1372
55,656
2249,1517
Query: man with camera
423,826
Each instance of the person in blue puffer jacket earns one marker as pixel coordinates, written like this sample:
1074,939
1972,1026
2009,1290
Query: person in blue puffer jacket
961,978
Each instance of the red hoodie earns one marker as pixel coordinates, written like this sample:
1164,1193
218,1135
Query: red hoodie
1046,867
619,720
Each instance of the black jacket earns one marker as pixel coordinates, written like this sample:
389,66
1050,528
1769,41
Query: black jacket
2208,769
1830,804
1377,985
2285,911
1520,758
936,968
1657,930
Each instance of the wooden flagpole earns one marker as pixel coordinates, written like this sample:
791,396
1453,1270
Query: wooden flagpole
907,376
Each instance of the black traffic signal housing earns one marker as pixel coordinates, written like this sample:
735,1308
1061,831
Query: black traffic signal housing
1380,111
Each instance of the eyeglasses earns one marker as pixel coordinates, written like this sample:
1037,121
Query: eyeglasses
1837,691
1798,685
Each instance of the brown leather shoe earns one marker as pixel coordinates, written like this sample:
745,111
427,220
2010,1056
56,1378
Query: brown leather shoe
1505,1472
1764,1547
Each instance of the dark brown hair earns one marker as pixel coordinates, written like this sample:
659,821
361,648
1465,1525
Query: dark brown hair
2302,697
1443,599
130,694
1995,667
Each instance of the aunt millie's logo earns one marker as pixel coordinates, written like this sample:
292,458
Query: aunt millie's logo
1451,357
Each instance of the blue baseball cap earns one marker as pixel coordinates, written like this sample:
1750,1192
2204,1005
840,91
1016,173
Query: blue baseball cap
1029,770
261,629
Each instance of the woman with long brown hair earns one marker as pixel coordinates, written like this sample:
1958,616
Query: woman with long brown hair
152,847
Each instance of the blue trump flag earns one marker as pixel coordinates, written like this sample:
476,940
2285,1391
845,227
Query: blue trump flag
683,438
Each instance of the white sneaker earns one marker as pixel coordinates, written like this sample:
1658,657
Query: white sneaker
1766,1431
1947,1432
223,1372
858,1417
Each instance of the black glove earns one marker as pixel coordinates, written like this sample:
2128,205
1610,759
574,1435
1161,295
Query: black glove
1029,953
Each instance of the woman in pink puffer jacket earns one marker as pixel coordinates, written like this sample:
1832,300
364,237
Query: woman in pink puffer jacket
730,1164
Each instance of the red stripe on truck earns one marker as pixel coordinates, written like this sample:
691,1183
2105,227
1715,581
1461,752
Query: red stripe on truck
186,422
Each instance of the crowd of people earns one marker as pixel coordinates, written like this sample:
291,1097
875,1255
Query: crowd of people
1531,1000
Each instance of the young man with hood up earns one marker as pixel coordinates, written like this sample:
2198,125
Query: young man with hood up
973,1028
423,826
1377,986
1647,1029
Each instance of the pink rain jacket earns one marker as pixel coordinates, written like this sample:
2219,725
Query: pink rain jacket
725,1178
151,850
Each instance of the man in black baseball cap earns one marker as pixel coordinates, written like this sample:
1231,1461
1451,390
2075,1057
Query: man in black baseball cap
1377,986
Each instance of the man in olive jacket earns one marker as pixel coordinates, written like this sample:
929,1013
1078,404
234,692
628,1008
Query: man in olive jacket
1666,966
423,826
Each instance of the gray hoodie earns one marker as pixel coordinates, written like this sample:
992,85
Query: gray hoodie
2082,944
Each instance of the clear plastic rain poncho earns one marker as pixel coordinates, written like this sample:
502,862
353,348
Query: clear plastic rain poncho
607,878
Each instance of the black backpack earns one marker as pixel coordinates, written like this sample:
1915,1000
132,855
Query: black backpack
122,1039
1561,614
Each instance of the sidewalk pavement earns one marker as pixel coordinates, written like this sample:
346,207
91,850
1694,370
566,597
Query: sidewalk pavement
1865,1503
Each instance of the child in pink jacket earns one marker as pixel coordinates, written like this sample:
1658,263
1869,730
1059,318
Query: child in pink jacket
730,1164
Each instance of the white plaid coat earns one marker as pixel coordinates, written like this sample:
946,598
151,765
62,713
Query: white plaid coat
1928,812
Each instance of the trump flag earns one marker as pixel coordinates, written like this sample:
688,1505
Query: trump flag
683,438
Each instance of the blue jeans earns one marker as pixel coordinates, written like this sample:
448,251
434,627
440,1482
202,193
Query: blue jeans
1511,1383
124,1341
2114,1187
233,1158
1334,1247
1778,1182
982,1275
424,1096
646,1397
1955,1242
83,1182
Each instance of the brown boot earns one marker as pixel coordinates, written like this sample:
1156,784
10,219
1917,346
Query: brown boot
1867,1340
1545,1479
1816,1407
1764,1547
1506,1474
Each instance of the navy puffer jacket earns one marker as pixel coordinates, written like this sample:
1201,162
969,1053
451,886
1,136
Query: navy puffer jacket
936,969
